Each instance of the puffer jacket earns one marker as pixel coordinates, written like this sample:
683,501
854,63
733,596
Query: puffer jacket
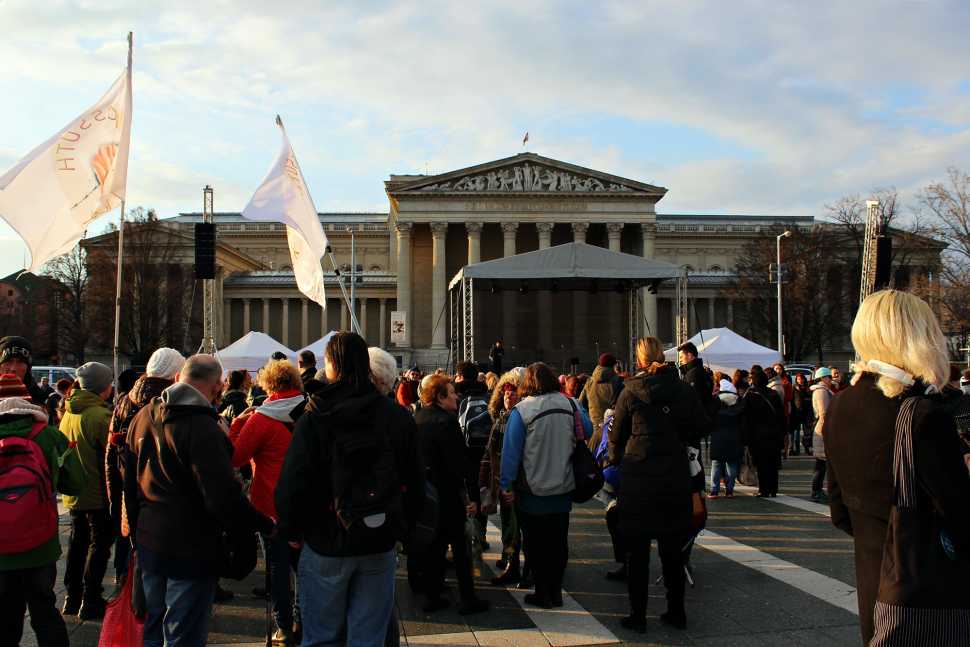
656,417
821,399
144,391
85,422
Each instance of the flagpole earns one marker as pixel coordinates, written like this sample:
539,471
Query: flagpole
343,290
121,248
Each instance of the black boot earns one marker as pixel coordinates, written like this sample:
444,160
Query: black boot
511,574
526,581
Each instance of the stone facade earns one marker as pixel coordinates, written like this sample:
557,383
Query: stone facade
437,224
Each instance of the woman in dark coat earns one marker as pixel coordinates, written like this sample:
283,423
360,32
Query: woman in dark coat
656,417
801,414
901,351
764,430
441,446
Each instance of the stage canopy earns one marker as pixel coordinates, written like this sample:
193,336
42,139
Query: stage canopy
570,261
251,352
578,267
319,347
725,350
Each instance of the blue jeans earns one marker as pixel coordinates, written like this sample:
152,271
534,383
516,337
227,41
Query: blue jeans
178,610
277,553
346,600
726,469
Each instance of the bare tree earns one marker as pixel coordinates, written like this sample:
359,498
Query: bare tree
947,204
71,271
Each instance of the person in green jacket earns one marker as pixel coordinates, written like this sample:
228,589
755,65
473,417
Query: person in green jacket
85,424
27,577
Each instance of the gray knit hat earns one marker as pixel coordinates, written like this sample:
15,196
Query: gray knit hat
94,377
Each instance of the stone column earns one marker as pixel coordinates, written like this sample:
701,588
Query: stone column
613,231
266,316
710,313
246,319
304,322
544,318
362,320
545,234
344,323
404,277
285,333
226,322
383,327
439,286
509,294
581,340
650,300
474,230
730,314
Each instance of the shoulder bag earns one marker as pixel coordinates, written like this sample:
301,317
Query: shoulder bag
586,473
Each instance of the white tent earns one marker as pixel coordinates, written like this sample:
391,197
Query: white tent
319,347
251,352
725,350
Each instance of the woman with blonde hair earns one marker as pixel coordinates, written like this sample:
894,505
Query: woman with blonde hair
504,398
656,417
897,480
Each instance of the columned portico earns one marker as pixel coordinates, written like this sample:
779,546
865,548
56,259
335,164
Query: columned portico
404,278
285,337
649,299
544,318
439,286
474,230
266,316
510,321
613,231
580,299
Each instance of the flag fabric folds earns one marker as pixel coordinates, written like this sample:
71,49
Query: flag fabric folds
284,197
51,195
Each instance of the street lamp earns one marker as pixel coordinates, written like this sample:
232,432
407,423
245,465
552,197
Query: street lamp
786,234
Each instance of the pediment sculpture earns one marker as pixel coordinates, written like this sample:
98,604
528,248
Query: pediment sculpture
527,178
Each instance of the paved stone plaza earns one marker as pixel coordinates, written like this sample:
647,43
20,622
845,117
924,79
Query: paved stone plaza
767,572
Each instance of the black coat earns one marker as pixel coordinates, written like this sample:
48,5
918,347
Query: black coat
656,416
304,491
232,405
764,422
859,434
443,452
726,437
697,377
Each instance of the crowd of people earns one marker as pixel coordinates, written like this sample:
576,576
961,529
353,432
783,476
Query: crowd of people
344,470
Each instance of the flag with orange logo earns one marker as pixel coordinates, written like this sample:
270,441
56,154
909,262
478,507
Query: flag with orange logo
52,195
284,197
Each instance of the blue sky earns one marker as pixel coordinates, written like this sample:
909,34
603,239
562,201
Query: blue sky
744,107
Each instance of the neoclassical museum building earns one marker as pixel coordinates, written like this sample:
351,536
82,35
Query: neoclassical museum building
436,224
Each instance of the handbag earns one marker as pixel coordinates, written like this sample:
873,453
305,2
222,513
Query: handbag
748,475
586,473
920,571
239,554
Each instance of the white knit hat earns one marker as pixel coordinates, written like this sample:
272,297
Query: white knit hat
165,363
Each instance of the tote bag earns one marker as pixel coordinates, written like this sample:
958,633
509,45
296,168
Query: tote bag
919,568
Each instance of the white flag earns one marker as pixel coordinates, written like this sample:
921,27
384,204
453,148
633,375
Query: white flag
53,193
284,197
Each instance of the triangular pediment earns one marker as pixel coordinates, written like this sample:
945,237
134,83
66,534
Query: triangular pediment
526,173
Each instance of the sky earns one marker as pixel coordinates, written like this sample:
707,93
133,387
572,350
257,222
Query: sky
741,107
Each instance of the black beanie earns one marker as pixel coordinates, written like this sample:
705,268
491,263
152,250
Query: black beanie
13,346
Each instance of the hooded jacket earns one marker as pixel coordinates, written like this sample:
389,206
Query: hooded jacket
694,374
67,478
144,391
85,422
304,492
263,438
726,437
764,422
656,417
178,471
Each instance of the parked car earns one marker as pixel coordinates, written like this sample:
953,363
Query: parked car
53,373
806,369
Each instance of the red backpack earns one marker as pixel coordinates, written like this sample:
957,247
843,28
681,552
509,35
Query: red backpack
28,509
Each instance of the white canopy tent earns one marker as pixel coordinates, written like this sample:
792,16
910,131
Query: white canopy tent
251,352
319,347
725,350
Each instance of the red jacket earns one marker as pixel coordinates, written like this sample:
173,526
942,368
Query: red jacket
263,440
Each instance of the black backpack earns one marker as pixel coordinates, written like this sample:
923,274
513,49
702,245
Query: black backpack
475,421
365,485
